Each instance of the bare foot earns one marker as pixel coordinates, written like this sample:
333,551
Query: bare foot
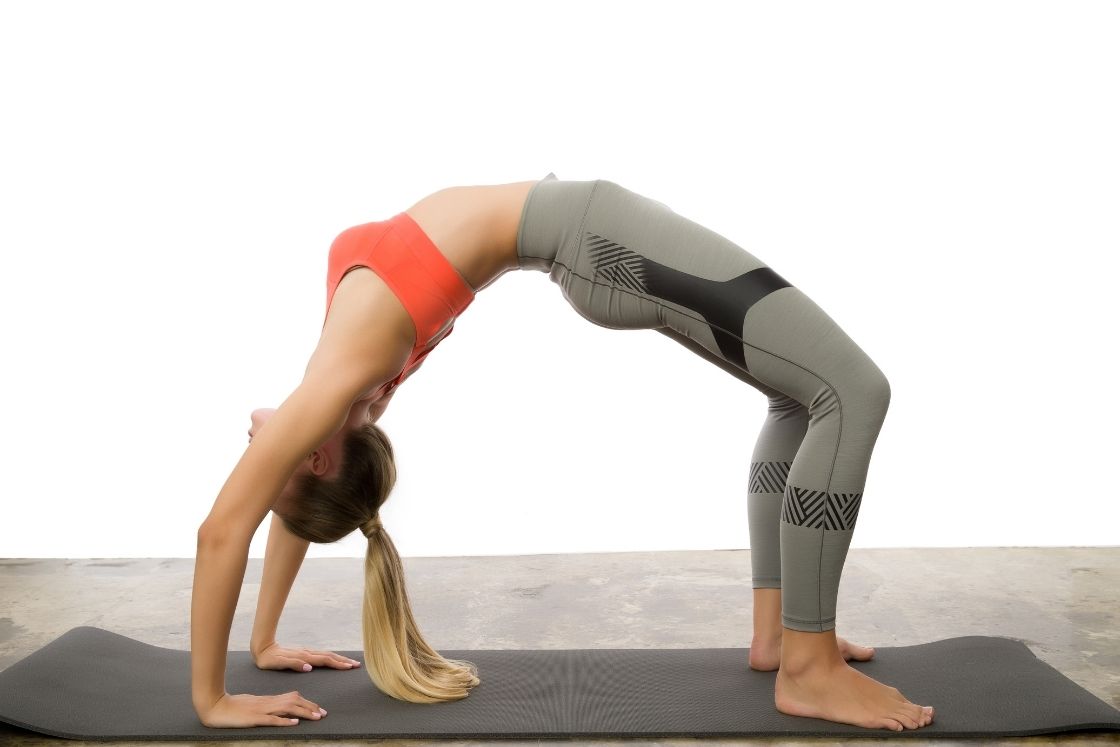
835,691
766,652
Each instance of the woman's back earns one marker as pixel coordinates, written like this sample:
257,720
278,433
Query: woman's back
473,227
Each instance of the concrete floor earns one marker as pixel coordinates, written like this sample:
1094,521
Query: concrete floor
1063,603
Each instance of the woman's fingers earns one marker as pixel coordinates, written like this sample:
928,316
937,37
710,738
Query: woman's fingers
329,659
340,662
297,664
302,659
294,704
285,709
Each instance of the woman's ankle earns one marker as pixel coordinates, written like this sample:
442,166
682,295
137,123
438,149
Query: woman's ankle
805,652
766,634
767,614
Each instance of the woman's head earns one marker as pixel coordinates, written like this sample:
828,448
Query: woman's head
324,462
339,488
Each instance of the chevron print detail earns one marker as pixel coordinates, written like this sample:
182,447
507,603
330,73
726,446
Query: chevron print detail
616,263
722,304
769,477
820,510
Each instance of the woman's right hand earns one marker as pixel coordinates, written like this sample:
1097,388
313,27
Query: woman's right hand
260,710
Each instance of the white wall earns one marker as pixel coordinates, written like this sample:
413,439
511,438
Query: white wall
940,177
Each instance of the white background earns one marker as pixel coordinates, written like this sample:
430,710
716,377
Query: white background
943,178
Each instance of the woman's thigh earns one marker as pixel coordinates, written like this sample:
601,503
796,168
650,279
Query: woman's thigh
625,261
630,262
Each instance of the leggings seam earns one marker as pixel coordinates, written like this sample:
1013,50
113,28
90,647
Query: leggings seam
582,221
820,570
653,300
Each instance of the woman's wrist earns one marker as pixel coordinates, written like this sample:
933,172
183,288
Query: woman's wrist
205,701
255,649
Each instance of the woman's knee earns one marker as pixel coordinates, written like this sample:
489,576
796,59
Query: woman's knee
878,389
860,392
870,392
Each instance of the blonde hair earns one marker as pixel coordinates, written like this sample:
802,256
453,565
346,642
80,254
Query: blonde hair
399,661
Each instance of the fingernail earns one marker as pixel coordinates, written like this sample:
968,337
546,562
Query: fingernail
306,667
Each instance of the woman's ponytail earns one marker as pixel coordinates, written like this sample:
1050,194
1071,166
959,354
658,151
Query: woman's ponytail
398,659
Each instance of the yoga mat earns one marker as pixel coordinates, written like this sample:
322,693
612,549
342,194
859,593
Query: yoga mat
93,684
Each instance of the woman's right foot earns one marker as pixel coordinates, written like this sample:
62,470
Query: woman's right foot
838,692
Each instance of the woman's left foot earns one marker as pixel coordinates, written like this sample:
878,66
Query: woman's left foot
766,653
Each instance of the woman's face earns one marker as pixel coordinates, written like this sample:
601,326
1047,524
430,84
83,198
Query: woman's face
323,462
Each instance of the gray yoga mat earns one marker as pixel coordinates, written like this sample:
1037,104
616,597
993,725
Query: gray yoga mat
93,684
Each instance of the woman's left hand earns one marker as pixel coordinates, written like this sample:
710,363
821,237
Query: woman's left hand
275,656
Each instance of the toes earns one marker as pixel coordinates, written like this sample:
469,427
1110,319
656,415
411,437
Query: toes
852,651
921,715
905,719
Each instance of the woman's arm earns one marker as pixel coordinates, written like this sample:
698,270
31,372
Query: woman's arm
282,559
317,409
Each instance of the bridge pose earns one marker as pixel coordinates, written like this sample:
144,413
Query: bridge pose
394,289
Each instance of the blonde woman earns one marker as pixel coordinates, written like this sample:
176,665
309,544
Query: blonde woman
394,288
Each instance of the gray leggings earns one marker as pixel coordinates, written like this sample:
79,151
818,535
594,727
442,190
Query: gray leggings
624,261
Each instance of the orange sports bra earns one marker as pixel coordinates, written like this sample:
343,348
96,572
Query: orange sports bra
430,288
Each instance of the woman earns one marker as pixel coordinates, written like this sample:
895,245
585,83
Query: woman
623,261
